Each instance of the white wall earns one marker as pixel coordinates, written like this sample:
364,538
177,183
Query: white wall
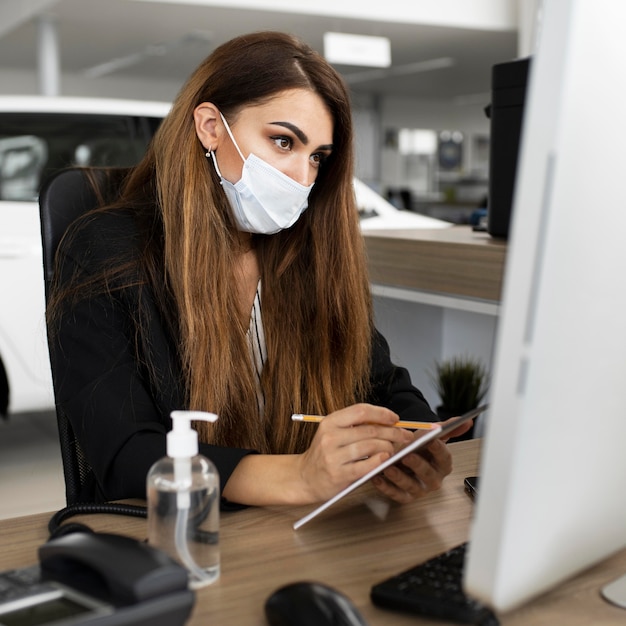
403,112
396,113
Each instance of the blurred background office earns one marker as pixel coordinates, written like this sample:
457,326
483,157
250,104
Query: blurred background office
419,88
420,79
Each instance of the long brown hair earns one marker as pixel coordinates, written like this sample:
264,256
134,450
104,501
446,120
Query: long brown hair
316,304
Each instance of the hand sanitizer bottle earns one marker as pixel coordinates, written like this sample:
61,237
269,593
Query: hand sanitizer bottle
183,492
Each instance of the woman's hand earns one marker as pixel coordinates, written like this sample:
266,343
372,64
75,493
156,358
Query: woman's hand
347,445
419,472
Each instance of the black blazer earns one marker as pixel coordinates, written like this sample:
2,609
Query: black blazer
119,412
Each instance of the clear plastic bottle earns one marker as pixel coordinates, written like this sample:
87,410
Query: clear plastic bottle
183,492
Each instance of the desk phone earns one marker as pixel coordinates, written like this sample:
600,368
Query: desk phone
92,578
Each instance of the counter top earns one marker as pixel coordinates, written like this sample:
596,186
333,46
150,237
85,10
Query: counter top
454,261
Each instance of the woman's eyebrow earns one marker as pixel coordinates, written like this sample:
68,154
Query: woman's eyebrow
295,130
301,135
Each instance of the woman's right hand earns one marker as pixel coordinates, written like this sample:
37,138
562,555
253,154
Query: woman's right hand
347,445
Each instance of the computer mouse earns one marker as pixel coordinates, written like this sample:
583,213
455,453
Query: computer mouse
309,603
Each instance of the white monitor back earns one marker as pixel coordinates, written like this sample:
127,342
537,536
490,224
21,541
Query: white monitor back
552,495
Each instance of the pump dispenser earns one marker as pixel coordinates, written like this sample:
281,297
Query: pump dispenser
184,500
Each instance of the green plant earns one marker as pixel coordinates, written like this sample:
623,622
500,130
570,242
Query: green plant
461,382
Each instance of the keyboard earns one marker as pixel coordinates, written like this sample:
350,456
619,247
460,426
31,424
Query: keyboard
434,589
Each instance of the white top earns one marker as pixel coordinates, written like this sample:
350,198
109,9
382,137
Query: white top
256,344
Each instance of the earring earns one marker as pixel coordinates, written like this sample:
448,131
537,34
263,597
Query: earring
208,152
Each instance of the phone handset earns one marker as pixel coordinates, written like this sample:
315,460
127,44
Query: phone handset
124,569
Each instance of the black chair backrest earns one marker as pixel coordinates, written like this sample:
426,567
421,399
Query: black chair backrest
64,197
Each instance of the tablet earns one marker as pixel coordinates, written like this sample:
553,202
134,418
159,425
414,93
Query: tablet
435,433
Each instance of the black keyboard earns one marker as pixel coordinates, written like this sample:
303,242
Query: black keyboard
434,589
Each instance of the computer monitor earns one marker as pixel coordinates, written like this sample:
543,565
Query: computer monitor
553,465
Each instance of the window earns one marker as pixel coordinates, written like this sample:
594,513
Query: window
33,146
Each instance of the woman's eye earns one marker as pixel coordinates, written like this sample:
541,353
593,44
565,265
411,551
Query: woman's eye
319,158
282,142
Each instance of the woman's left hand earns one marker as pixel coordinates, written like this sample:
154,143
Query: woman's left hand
420,472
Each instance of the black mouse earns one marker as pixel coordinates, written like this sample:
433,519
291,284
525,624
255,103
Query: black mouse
311,604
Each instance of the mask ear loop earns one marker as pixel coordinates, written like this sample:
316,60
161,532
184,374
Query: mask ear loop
232,138
211,154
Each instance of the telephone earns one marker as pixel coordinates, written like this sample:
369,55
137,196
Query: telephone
86,578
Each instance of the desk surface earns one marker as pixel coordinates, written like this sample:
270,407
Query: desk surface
455,261
348,547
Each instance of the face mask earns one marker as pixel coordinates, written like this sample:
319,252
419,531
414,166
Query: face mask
265,201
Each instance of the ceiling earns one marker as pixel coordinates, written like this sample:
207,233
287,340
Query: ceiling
162,41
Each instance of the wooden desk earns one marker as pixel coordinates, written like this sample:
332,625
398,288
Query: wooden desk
348,547
454,261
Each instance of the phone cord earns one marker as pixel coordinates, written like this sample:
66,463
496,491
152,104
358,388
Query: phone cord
56,528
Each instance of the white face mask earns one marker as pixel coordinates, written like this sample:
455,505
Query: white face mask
264,201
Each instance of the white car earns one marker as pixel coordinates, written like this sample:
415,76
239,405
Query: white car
378,214
38,136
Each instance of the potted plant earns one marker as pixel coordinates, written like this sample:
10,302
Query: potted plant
462,383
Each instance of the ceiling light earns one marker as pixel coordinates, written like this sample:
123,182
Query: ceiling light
357,50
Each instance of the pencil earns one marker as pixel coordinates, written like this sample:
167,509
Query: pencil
300,417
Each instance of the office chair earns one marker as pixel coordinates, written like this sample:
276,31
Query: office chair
66,195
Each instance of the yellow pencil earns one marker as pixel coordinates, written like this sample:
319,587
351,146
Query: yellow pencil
300,417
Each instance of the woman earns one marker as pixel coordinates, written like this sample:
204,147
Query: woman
229,275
